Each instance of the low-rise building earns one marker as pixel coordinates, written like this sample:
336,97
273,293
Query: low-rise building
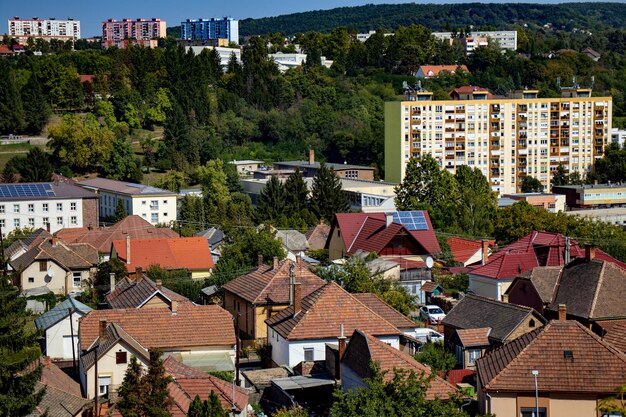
618,136
247,166
430,71
286,61
141,292
469,252
62,396
153,204
614,215
310,168
225,54
592,195
554,203
505,39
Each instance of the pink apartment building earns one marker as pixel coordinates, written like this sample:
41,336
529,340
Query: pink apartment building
138,32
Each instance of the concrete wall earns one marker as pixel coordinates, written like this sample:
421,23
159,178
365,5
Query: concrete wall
55,336
578,405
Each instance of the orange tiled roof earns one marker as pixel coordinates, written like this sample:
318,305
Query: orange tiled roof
192,325
191,253
463,249
614,333
393,316
568,356
474,337
436,69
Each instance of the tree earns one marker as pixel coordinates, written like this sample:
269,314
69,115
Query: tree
245,247
36,107
120,211
531,185
132,391
477,203
211,407
616,403
102,280
327,197
214,189
271,203
435,356
19,349
296,194
403,395
560,177
157,400
35,166
12,117
291,412
122,164
173,181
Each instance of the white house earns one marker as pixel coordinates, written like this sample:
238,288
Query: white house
60,327
153,204
301,331
50,205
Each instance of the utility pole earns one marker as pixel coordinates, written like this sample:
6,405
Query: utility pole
73,344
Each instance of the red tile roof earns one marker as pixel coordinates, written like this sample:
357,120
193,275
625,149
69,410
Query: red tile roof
192,325
536,249
368,229
267,285
430,286
467,89
324,311
595,366
102,237
364,348
384,310
464,249
474,337
191,253
456,376
614,333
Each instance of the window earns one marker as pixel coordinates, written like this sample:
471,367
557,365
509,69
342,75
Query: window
31,222
46,221
16,222
532,412
73,206
43,266
143,202
16,208
45,207
1,222
103,384
154,205
164,201
77,278
473,354
164,214
73,220
154,217
60,221
308,354
1,208
59,206
31,280
121,357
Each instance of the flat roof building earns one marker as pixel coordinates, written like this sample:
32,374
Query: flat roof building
593,195
205,29
48,29
141,32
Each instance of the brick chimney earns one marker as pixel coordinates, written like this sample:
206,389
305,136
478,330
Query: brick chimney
54,240
159,284
127,249
275,265
174,307
311,156
484,251
562,312
112,281
299,260
342,348
46,362
259,261
297,298
590,252
102,329
138,273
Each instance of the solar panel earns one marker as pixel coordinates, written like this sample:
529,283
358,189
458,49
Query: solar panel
26,190
411,220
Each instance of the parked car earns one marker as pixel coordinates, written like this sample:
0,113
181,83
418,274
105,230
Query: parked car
426,335
432,314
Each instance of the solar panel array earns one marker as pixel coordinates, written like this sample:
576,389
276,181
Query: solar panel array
26,190
411,220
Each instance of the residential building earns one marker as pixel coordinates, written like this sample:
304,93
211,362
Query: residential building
469,252
317,236
535,249
47,205
301,331
592,54
62,397
180,253
56,267
262,293
614,332
294,242
534,288
554,203
430,71
614,215
572,368
153,204
133,226
587,196
489,320
21,246
247,167
225,54
46,29
505,138
205,29
311,167
390,234
141,292
60,327
364,349
141,32
202,337
286,61
618,136
505,39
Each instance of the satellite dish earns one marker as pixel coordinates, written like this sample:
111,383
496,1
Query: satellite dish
50,272
429,262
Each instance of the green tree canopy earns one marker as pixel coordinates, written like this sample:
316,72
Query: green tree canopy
435,356
531,185
271,203
327,197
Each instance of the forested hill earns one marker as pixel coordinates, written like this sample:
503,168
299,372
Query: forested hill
590,16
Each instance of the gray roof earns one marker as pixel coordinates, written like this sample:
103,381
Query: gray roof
59,312
505,202
293,240
299,382
61,190
122,187
474,312
133,293
58,403
544,279
68,256
26,243
316,165
213,235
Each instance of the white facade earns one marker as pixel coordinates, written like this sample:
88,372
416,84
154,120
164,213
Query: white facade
154,209
489,287
506,39
59,338
44,28
37,275
287,61
618,136
38,213
225,54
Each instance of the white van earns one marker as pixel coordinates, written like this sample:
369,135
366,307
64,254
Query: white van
426,335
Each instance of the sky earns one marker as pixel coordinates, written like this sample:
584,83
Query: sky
91,13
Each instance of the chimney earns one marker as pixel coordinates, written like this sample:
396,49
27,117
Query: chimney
388,219
102,329
54,240
485,251
342,349
259,261
297,298
311,156
299,260
562,312
112,281
138,272
568,247
174,307
275,266
90,227
590,252
46,362
128,249
159,284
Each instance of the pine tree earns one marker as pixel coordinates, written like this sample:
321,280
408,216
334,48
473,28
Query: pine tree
157,400
296,194
213,406
327,198
271,203
132,390
195,408
36,166
18,350
120,211
36,107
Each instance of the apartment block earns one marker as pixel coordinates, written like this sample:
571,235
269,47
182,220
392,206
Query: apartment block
506,39
208,29
48,29
506,138
141,32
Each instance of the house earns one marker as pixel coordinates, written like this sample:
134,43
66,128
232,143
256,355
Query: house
390,234
56,266
153,204
202,337
534,288
497,321
364,349
553,203
102,237
21,246
141,292
468,252
247,167
215,237
317,236
60,326
260,294
310,168
614,332
428,290
593,54
62,396
470,92
293,241
535,249
189,253
47,205
413,275
573,369
430,71
300,332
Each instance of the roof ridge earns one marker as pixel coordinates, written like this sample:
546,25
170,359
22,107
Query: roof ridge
501,303
357,234
594,300
384,319
599,339
304,311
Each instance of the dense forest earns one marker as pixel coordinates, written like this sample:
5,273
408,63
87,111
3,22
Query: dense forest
590,16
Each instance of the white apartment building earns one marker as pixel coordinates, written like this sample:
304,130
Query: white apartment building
224,53
51,28
506,39
506,138
154,205
51,206
618,136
